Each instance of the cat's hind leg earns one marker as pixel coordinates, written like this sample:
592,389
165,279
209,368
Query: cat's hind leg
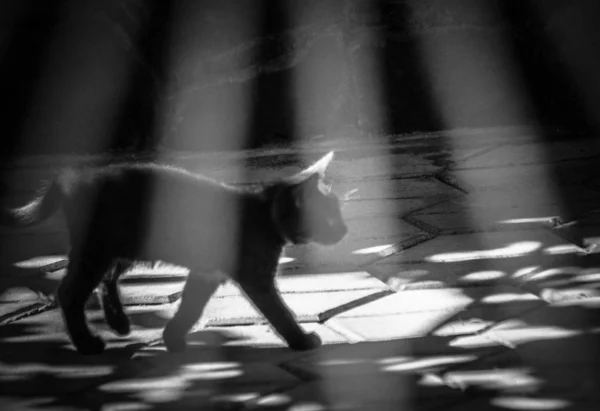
196,293
111,301
82,277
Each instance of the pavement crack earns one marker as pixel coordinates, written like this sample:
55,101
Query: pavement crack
328,314
428,229
28,311
451,181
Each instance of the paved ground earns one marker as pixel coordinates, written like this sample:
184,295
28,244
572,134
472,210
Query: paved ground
469,280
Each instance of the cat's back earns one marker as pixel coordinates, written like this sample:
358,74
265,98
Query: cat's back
135,178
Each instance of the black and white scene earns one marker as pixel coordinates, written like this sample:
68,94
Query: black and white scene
300,205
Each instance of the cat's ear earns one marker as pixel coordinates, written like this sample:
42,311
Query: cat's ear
321,165
318,168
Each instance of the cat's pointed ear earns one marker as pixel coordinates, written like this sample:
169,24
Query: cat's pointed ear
321,165
318,168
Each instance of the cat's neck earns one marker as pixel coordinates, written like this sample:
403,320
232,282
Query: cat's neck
257,204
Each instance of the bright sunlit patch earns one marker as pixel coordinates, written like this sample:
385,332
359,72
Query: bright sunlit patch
41,262
527,403
462,327
552,272
154,390
283,260
431,380
394,360
495,378
524,272
372,250
235,398
212,371
307,406
507,298
587,276
425,363
144,384
513,336
513,250
274,400
24,371
529,220
563,249
483,276
574,296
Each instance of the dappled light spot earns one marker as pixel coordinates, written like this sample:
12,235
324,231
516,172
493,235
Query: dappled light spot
41,262
495,379
462,327
284,260
523,272
513,250
541,220
431,380
212,371
563,249
528,403
588,276
394,360
483,276
154,390
372,250
513,336
24,371
341,361
573,296
501,298
274,400
427,363
553,272
307,406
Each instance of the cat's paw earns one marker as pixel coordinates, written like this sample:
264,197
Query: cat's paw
90,346
120,324
174,341
310,341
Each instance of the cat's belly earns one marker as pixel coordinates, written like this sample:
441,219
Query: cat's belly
208,249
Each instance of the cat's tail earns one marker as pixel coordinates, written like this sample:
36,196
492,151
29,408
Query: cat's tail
36,211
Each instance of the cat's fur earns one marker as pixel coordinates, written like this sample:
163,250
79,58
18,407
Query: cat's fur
121,214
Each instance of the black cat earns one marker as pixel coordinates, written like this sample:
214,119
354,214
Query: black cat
120,214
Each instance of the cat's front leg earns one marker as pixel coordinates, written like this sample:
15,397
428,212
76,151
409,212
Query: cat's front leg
196,293
266,298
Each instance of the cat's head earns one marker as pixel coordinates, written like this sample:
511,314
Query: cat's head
306,210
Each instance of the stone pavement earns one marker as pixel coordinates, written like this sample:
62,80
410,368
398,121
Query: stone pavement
469,280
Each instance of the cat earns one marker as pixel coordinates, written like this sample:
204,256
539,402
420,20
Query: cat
121,214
